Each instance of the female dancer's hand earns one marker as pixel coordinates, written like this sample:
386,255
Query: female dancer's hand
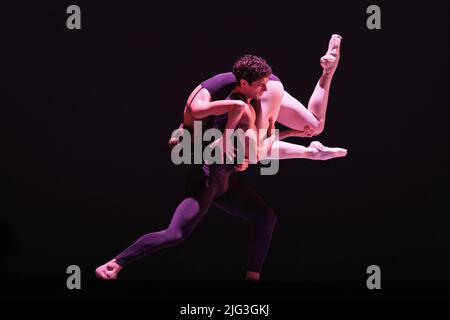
242,166
306,133
175,137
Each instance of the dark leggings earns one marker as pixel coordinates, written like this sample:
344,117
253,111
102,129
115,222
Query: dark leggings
220,188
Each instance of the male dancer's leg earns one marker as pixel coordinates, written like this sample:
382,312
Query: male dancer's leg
187,215
243,201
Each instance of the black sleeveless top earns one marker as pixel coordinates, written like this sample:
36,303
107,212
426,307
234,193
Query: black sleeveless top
221,85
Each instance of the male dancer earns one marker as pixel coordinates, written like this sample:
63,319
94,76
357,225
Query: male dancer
272,104
213,184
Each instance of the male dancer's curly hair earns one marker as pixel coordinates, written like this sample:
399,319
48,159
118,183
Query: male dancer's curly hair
251,68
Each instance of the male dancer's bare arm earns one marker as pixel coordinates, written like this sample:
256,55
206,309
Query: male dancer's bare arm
202,108
235,111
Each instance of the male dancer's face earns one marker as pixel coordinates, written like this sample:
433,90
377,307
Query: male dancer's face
256,89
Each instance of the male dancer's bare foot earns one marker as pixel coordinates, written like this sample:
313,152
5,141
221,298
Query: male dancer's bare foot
108,271
325,153
330,60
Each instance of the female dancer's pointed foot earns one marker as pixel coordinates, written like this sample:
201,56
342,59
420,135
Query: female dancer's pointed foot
325,153
330,60
108,271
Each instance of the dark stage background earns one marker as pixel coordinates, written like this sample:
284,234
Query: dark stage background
85,168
